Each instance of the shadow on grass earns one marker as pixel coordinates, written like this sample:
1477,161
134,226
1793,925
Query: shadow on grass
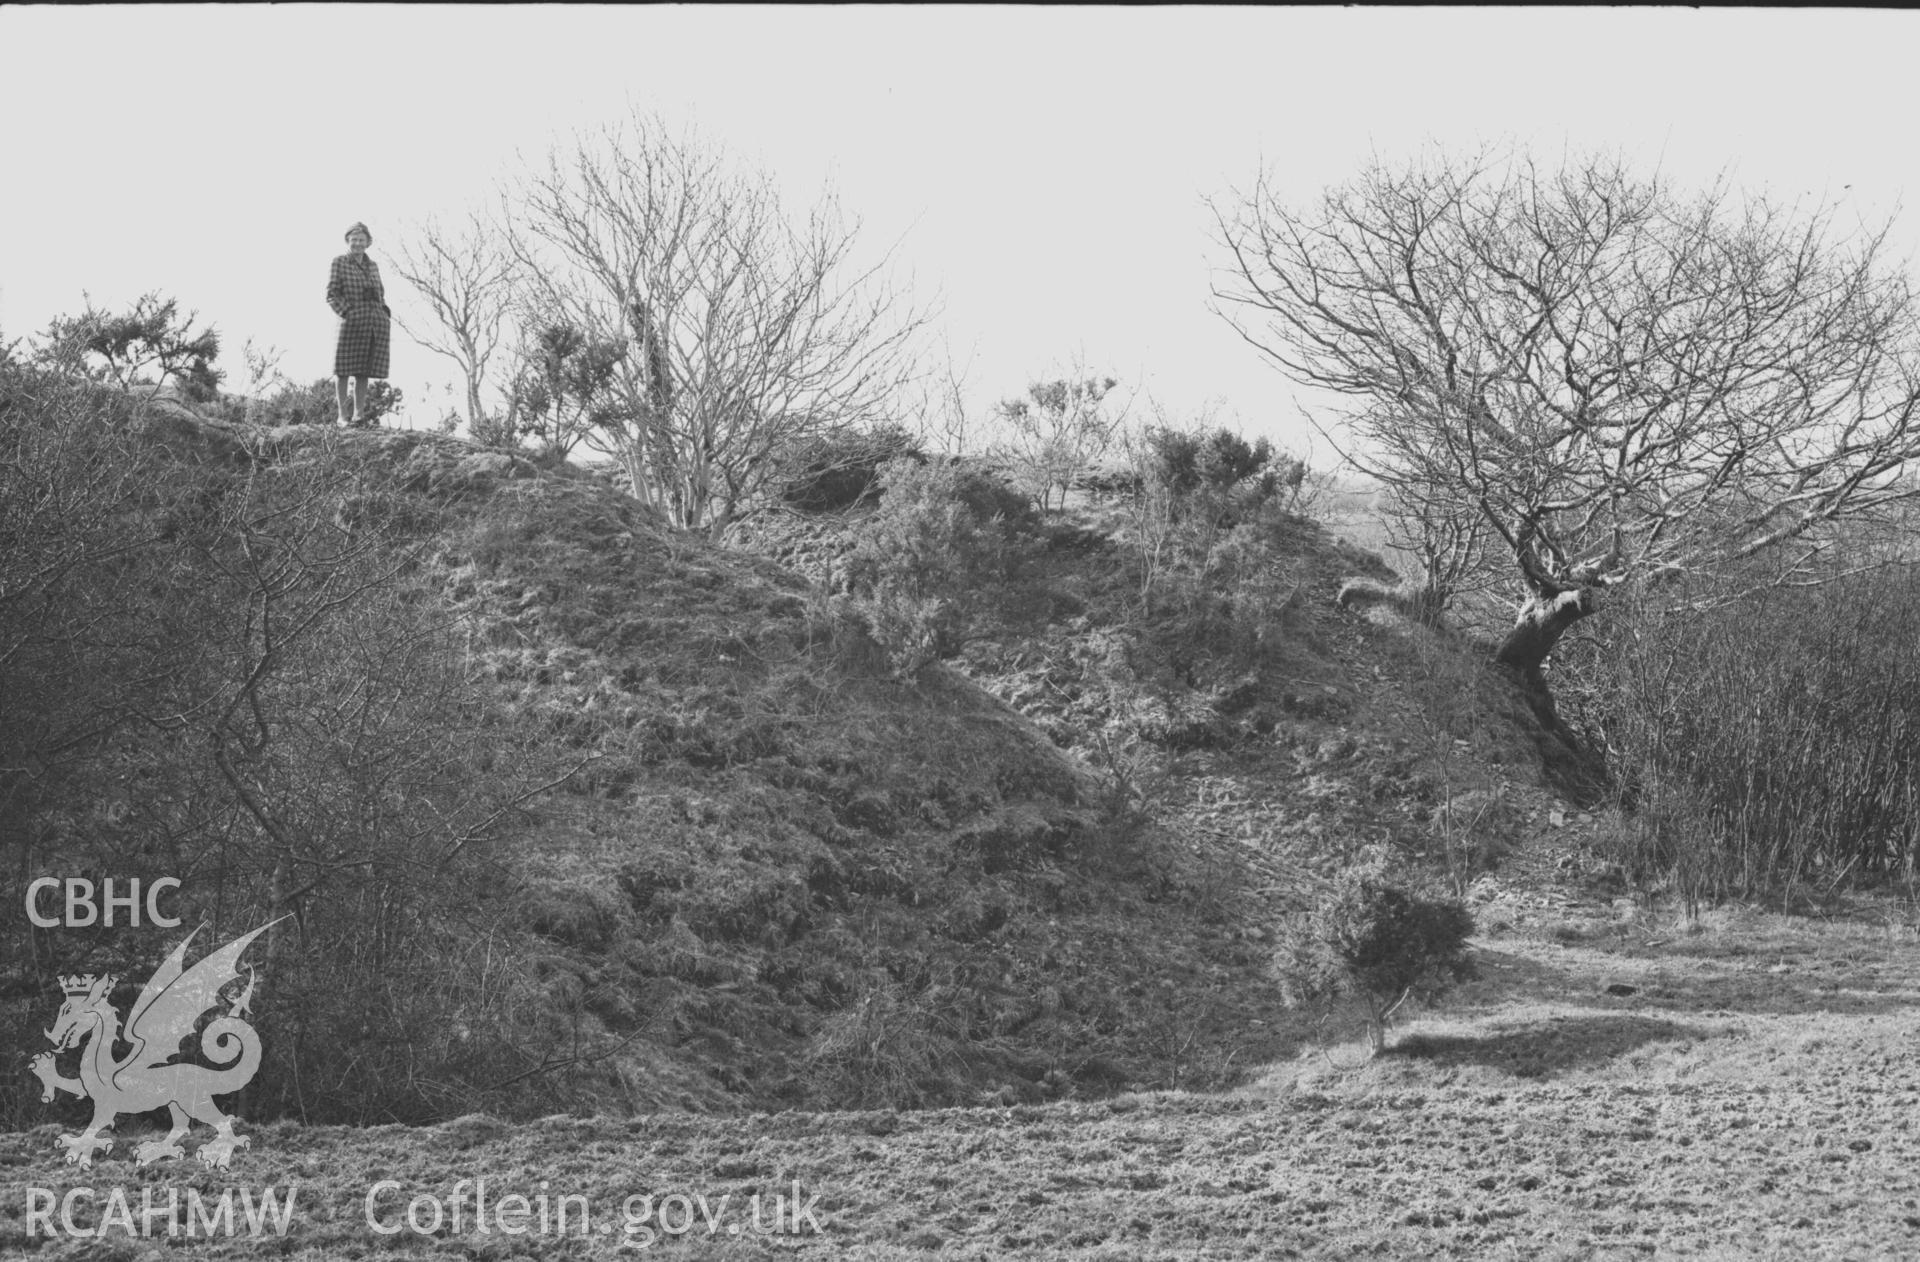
1546,1048
1690,983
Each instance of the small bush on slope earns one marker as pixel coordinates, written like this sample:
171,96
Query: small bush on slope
1375,941
318,404
940,530
837,471
1184,461
1200,527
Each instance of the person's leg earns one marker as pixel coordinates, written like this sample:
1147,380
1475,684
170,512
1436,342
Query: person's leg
340,396
360,401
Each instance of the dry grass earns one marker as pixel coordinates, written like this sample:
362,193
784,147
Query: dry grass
1753,1097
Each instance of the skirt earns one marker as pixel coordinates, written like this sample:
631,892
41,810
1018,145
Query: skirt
365,342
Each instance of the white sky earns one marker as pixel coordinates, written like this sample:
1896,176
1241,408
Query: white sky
1041,170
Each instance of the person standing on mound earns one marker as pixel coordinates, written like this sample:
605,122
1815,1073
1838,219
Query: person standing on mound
356,295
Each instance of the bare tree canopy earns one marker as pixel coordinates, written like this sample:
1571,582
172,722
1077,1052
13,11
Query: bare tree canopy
1628,382
465,275
740,328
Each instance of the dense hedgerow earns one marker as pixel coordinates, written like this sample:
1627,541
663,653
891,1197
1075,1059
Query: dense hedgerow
1768,742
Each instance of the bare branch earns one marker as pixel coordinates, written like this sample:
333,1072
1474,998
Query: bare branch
466,281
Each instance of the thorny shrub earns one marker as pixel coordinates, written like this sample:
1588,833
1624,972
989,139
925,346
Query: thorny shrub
145,348
1201,501
829,472
318,404
941,531
1375,941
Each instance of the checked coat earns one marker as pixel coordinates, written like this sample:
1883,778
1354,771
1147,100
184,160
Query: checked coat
356,295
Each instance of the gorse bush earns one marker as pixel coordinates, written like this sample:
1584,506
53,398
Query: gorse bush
1184,461
990,499
1769,742
1200,525
1202,470
565,392
142,349
837,471
1053,434
318,404
1374,941
942,532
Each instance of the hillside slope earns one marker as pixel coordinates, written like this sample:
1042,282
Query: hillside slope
804,880
1246,703
1033,893
774,875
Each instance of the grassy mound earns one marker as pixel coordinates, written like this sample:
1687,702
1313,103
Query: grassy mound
810,882
706,851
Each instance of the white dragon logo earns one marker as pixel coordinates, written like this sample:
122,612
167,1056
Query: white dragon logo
168,1008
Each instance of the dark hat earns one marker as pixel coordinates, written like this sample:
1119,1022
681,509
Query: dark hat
359,227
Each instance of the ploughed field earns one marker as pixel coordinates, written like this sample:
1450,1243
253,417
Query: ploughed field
1614,1085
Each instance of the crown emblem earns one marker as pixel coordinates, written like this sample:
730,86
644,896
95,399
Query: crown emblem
78,984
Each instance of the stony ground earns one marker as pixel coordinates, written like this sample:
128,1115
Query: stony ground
1616,1084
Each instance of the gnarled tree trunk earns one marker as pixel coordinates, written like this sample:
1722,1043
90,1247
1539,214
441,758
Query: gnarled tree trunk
1542,621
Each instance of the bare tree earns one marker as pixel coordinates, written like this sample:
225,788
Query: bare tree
1058,429
466,277
1627,383
744,329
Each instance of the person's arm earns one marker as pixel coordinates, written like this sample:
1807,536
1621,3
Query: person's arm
337,286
